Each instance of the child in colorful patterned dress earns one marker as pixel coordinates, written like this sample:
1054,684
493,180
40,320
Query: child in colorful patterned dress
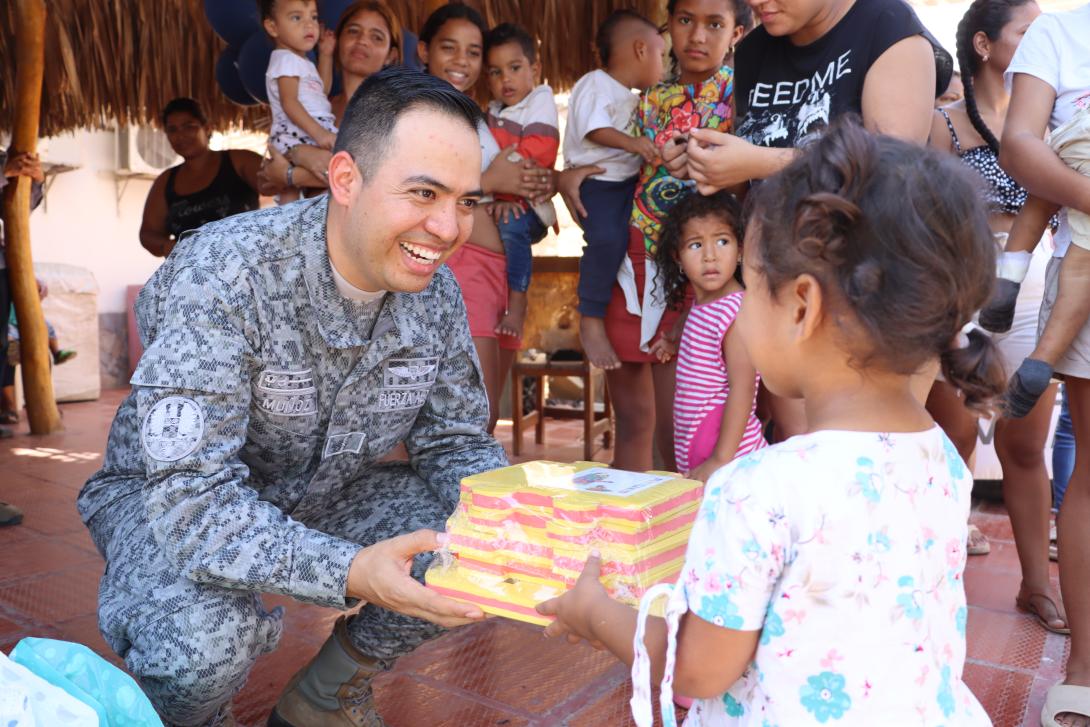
824,574
716,395
702,33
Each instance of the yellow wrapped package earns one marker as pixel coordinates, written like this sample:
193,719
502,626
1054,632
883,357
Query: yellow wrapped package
521,534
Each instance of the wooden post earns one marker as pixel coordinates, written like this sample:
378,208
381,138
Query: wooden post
33,339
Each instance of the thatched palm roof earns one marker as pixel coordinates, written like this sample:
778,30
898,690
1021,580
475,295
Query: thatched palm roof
120,61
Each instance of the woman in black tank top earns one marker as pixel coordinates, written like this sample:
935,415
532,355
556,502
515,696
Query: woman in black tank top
207,186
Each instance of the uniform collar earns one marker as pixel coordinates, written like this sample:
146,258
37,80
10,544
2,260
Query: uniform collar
346,323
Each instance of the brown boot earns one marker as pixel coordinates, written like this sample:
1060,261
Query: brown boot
334,689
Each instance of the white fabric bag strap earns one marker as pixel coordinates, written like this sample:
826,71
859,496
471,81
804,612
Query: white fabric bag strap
641,663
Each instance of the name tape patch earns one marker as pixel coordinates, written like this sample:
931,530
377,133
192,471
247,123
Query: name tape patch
287,393
172,429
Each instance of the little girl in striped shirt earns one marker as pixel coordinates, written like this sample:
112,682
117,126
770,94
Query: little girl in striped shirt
716,395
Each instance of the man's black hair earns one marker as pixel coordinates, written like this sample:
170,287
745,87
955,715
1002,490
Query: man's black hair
505,33
603,40
378,103
183,105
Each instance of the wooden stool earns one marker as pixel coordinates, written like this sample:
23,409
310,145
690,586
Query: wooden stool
552,324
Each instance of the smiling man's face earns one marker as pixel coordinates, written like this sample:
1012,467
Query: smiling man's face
415,209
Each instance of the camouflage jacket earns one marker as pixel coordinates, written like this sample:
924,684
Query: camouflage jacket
262,391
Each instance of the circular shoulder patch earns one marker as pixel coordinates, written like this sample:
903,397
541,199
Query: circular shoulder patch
172,429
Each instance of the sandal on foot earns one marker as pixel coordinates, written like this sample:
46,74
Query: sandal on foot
1065,699
9,417
977,544
1025,605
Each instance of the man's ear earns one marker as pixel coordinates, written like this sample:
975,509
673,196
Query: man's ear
345,178
808,301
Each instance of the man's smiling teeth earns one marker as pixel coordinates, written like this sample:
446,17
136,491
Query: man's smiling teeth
421,253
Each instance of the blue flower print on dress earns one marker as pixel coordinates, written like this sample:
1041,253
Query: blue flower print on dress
907,599
824,696
866,478
733,707
946,693
961,619
953,459
773,626
720,610
879,541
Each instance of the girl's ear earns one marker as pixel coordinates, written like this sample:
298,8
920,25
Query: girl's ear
808,303
270,27
736,36
981,45
422,51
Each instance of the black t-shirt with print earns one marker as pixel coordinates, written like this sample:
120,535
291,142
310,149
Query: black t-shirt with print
785,94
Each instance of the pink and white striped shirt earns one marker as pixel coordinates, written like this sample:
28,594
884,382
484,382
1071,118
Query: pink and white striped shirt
703,385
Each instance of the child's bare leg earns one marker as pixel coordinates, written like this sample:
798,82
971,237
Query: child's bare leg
488,353
1068,316
998,315
512,321
592,332
634,433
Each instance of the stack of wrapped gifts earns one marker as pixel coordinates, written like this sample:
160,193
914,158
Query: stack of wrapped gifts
521,534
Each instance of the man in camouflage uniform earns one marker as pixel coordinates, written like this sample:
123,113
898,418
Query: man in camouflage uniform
286,352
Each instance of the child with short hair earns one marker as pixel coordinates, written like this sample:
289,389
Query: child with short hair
715,400
825,574
522,115
602,131
297,90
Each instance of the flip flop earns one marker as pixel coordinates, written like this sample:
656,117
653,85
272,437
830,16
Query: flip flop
977,543
1063,698
1026,606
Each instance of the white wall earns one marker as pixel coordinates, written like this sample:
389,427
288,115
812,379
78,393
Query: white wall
81,222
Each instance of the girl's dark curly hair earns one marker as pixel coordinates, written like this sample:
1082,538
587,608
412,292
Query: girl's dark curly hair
897,236
670,278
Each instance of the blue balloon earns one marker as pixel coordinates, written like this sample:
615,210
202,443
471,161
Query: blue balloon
233,20
228,79
253,61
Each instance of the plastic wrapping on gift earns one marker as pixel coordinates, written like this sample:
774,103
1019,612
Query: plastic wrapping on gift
521,534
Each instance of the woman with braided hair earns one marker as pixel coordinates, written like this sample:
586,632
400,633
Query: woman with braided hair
986,40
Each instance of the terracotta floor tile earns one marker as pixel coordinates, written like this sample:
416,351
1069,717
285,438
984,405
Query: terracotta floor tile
1003,693
995,527
55,596
490,659
84,630
407,702
40,556
994,590
613,709
1005,639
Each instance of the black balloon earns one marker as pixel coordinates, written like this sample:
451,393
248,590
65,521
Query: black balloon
253,61
233,20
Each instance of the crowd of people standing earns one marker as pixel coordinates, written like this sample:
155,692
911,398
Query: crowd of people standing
788,234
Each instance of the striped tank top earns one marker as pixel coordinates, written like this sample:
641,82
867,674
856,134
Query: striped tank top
702,382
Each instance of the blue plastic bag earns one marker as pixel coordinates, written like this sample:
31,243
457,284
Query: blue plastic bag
112,693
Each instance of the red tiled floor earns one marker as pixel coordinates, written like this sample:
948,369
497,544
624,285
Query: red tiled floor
496,673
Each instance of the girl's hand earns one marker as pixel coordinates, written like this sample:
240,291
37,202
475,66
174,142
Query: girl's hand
574,611
568,186
675,155
708,468
664,349
718,160
273,176
327,43
327,140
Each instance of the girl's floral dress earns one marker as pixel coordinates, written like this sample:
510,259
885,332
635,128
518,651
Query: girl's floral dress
847,551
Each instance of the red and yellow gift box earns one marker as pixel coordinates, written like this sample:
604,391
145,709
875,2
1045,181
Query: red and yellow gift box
521,534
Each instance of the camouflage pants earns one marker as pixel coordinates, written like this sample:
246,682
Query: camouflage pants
191,645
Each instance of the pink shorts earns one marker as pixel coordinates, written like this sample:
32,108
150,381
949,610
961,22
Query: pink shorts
482,276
